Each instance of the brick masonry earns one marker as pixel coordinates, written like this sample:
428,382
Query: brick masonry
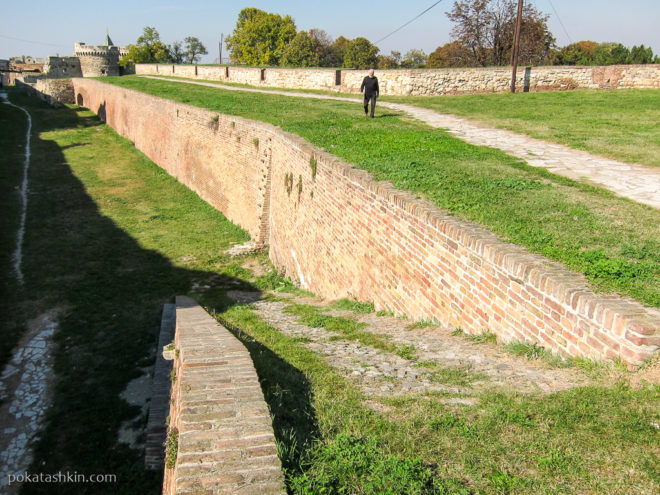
226,442
425,82
339,233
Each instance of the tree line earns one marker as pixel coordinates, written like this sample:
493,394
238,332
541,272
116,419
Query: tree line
481,36
150,49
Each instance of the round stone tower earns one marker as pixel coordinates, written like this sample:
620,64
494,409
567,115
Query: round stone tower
102,60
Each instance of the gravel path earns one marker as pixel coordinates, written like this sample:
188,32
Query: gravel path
641,184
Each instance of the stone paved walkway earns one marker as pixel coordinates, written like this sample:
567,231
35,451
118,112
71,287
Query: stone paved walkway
24,391
641,184
379,373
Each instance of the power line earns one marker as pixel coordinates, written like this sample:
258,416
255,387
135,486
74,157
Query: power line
30,41
411,20
560,23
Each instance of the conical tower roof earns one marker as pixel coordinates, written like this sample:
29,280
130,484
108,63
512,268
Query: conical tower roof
108,41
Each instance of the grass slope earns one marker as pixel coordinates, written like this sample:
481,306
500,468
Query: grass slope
613,241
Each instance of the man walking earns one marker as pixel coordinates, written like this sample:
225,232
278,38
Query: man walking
370,89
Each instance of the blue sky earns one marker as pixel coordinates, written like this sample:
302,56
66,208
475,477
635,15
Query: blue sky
51,27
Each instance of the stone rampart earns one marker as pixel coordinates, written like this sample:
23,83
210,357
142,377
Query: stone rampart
339,233
57,67
225,441
52,91
425,82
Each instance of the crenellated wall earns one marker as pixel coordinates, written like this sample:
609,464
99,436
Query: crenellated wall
425,82
339,233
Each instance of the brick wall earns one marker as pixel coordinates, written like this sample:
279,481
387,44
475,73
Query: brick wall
426,82
225,434
339,233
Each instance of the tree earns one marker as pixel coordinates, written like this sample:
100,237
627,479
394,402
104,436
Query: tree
259,37
391,61
580,53
452,54
303,51
194,48
338,50
486,28
610,54
414,59
147,50
324,48
176,53
642,55
360,54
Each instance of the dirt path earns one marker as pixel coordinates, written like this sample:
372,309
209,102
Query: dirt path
641,184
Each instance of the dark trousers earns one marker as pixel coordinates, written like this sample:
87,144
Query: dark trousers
372,99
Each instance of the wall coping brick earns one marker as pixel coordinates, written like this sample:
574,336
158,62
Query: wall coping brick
226,439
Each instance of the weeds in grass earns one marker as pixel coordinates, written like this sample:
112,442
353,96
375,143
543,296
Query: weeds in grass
383,312
353,305
480,338
421,324
171,448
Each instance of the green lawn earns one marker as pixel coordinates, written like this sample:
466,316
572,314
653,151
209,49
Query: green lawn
111,237
621,124
613,241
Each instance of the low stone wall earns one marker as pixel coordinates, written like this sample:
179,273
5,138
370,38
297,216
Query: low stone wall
425,82
337,232
52,91
225,435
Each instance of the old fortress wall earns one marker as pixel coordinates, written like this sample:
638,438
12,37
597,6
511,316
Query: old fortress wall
339,233
424,82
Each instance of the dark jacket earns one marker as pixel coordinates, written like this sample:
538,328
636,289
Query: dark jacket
369,86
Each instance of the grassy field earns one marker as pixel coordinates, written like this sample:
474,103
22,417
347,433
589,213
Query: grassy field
111,237
613,241
621,124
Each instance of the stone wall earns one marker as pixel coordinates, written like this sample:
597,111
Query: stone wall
425,82
52,91
225,434
338,233
57,67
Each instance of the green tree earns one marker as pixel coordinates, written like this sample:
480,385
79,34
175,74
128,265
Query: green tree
259,37
338,50
194,48
642,55
360,54
414,59
610,54
303,51
176,53
148,49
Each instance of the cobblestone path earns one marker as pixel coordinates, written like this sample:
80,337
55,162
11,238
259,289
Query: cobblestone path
641,184
442,361
24,392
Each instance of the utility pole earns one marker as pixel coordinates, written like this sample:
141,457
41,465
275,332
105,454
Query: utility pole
222,36
516,46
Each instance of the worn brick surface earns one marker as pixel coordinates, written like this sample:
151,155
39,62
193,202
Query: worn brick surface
339,233
226,440
426,82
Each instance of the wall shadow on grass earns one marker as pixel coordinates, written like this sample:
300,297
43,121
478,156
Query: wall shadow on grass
110,292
